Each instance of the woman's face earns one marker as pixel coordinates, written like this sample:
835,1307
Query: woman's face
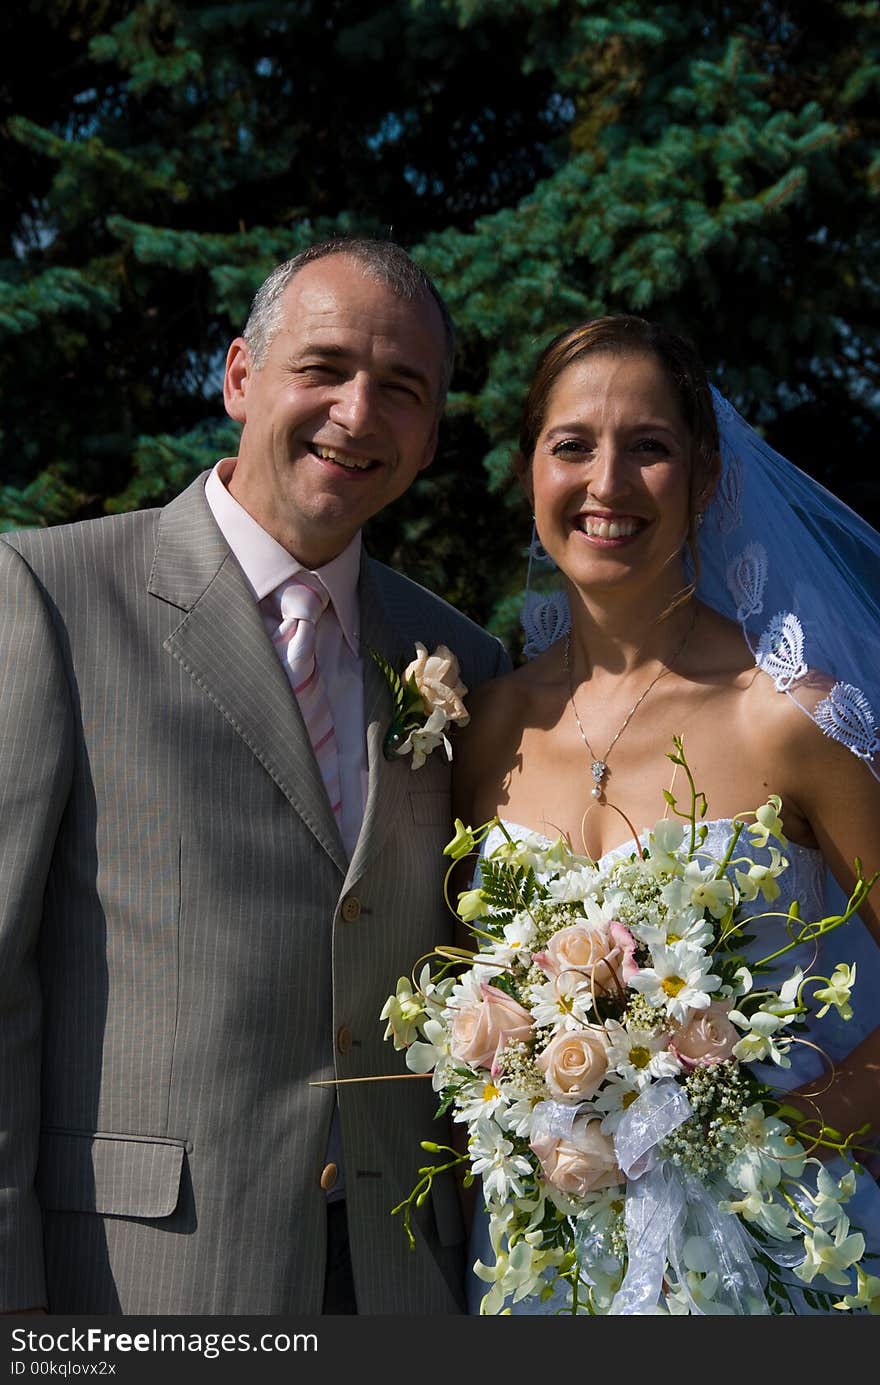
609,478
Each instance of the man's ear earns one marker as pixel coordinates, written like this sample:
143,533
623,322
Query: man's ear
235,379
431,445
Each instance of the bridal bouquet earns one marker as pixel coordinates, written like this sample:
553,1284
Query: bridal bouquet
601,1047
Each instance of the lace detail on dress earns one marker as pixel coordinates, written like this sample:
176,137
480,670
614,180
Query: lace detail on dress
746,580
781,651
545,619
847,715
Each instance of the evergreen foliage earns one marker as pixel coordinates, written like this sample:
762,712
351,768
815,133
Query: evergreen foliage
710,164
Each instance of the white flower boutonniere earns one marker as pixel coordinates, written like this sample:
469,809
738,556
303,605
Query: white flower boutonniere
428,700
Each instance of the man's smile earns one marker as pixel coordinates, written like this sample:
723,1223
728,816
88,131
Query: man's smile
350,460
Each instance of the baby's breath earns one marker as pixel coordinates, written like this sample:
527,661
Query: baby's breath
718,1096
641,1014
516,1063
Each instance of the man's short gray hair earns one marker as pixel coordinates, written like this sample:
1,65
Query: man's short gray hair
381,259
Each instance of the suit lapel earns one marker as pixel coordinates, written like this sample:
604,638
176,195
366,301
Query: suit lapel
388,779
222,645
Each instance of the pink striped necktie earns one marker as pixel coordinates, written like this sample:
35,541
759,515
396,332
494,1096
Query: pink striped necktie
303,601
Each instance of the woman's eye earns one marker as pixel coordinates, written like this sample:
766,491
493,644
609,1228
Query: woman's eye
568,447
652,445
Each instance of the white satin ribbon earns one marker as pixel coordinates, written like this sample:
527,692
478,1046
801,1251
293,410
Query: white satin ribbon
663,1205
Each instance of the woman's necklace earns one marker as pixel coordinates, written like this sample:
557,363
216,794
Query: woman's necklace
599,767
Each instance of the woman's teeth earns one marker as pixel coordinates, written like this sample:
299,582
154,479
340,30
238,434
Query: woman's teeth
609,528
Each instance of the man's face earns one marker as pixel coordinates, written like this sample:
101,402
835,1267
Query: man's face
343,412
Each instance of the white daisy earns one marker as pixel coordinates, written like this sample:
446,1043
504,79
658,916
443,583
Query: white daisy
479,1099
679,980
640,1056
493,1156
615,1098
564,1002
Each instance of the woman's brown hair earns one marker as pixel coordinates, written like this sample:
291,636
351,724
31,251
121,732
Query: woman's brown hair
619,335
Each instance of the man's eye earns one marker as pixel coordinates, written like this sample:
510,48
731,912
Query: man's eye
401,387
321,370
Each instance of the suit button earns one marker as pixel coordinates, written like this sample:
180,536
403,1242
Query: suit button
351,909
343,1039
329,1175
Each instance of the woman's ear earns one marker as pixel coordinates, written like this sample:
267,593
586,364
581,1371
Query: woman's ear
523,471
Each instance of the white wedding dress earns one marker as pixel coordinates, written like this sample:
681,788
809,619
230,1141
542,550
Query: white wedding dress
807,881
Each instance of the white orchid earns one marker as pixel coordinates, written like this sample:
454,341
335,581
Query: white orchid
770,1152
837,992
831,1193
422,740
403,1011
664,840
432,1053
768,823
760,1042
762,1210
867,1293
707,890
761,879
516,1273
830,1256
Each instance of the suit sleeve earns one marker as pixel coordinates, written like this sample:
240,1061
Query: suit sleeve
36,733
503,662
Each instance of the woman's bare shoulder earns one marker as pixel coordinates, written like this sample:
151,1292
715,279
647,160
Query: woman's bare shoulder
496,706
499,711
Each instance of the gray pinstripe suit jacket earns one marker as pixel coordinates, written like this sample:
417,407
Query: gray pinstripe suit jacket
174,963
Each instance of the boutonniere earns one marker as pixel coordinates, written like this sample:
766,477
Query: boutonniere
428,699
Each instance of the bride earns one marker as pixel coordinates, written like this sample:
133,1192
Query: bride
677,620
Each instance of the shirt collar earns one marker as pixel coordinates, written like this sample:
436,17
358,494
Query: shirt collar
266,564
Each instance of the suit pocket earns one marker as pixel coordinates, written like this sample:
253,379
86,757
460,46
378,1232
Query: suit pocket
431,808
115,1175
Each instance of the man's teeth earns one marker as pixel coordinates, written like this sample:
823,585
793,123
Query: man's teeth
330,454
609,528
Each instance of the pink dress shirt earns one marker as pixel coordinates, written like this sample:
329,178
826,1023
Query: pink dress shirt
266,565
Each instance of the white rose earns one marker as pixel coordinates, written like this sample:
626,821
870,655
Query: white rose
574,1064
438,679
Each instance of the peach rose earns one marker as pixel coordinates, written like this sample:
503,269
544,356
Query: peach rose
481,1027
581,1164
438,679
607,953
574,1063
707,1038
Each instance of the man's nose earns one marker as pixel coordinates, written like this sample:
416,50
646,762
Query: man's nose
353,407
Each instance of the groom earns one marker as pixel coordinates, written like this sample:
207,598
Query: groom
210,876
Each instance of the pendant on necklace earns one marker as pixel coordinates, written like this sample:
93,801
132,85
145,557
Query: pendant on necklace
598,769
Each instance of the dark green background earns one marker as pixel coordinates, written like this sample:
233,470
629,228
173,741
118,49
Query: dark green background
712,165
